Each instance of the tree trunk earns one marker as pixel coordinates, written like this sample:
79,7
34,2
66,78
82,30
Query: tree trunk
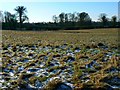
20,16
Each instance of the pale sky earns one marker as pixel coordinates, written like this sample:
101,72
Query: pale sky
43,11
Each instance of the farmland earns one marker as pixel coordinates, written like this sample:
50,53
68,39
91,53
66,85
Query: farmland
76,37
42,59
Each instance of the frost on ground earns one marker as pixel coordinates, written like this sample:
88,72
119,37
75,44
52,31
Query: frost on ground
60,67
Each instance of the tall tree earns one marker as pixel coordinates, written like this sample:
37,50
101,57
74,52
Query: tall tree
62,17
72,17
66,17
21,10
83,18
10,20
55,19
7,16
114,20
103,18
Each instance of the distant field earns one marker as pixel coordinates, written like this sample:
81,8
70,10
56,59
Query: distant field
76,37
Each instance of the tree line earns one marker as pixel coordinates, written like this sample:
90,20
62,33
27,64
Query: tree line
76,20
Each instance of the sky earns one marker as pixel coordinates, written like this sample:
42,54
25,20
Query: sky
43,11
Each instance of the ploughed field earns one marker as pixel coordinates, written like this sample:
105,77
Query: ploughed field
60,60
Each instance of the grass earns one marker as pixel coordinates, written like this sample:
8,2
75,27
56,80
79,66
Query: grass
71,39
76,37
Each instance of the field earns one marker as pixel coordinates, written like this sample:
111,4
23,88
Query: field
55,60
76,37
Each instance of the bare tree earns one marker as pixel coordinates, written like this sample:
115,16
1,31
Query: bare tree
66,17
62,17
55,19
103,18
10,20
114,20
